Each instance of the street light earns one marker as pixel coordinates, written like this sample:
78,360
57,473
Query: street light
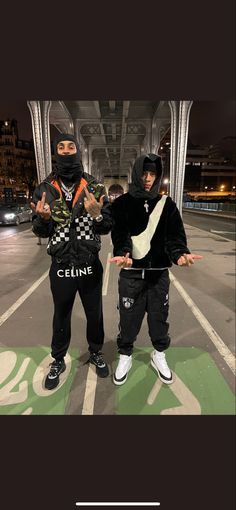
166,181
206,188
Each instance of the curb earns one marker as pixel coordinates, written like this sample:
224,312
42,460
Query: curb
205,213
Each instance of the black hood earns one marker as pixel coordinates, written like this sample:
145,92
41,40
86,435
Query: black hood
68,168
136,188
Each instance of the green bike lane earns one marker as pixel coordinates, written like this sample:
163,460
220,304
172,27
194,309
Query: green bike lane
202,382
198,387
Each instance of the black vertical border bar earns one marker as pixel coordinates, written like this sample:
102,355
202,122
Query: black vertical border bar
103,51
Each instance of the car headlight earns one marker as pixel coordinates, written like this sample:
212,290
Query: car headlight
9,216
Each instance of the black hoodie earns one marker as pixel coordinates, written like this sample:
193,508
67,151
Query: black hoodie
131,213
136,188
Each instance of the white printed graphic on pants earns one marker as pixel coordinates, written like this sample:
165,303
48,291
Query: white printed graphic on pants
74,271
167,300
127,302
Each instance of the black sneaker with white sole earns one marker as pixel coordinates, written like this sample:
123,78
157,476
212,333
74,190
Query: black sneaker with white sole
101,367
52,379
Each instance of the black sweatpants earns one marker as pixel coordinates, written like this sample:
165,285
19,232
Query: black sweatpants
65,282
139,293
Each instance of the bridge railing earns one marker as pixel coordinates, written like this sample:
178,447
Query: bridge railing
210,206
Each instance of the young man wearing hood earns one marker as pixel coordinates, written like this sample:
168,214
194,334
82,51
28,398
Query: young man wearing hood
148,236
71,209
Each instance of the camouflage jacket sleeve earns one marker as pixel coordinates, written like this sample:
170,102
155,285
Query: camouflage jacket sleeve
104,226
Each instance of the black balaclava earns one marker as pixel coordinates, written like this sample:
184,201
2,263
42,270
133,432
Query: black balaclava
68,168
153,163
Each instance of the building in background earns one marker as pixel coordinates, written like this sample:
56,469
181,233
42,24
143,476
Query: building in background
18,174
210,171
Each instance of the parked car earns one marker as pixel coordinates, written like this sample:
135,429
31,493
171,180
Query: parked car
14,214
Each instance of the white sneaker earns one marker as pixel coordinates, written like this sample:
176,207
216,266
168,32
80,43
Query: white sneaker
123,367
158,361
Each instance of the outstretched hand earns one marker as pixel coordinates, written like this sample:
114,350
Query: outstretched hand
42,208
122,262
187,259
91,205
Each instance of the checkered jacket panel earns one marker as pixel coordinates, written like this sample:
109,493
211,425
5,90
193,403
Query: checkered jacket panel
84,230
84,227
61,235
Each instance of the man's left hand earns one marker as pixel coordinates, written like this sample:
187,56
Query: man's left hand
187,259
91,205
122,262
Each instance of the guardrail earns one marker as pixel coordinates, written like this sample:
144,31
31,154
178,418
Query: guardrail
209,206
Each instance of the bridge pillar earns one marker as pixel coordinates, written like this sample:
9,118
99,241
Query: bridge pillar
180,111
39,111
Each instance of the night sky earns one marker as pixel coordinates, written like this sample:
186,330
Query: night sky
210,121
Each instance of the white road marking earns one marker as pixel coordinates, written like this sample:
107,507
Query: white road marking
121,503
28,411
222,231
21,299
190,404
106,276
8,361
91,382
90,390
154,392
7,396
224,351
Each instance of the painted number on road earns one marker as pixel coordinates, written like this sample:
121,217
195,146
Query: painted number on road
22,383
189,403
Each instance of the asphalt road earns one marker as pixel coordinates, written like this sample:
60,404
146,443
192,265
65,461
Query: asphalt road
7,231
201,326
216,225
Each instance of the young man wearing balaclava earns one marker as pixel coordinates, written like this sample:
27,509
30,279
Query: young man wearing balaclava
72,210
148,236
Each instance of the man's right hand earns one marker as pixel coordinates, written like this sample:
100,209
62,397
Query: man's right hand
42,208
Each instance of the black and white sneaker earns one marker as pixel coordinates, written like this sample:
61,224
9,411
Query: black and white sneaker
101,366
159,363
122,370
52,379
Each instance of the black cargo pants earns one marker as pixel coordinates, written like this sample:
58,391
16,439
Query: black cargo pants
139,292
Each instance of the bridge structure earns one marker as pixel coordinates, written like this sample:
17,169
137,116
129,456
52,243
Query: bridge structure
112,134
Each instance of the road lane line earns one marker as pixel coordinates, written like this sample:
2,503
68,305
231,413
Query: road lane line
106,276
224,351
91,382
222,231
21,299
90,390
